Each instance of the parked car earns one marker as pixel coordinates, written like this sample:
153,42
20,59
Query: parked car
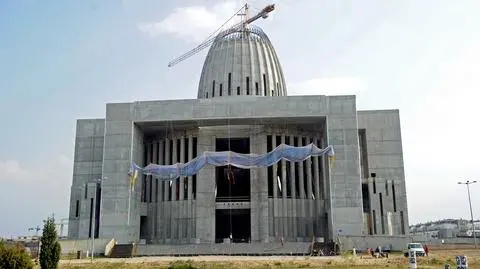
417,247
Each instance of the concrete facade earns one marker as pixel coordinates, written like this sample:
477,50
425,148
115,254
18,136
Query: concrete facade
362,194
131,131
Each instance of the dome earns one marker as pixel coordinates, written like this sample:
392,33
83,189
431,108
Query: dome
241,62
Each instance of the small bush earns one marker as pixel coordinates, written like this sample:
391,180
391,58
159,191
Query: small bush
14,257
181,265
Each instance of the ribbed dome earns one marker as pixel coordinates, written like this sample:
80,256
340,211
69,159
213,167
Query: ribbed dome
241,62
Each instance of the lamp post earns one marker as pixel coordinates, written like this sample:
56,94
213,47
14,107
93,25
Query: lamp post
36,229
97,182
468,183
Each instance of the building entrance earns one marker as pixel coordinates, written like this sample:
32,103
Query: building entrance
232,223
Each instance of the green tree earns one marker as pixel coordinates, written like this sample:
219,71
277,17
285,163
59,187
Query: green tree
14,257
50,248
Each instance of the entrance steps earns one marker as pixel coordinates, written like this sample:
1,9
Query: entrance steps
233,249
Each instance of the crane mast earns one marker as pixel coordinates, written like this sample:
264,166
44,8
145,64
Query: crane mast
262,14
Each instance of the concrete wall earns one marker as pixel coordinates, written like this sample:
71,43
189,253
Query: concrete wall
70,247
396,243
345,193
385,158
123,144
87,166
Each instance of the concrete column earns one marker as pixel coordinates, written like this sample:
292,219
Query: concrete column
285,213
181,209
166,193
301,224
259,193
293,201
161,196
174,208
148,179
316,185
309,201
189,191
153,216
276,221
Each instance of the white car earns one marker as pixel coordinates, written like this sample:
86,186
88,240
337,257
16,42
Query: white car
417,247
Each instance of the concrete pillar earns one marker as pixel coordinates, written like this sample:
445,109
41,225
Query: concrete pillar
293,201
174,212
301,224
181,209
309,201
166,193
153,206
259,193
148,179
316,186
284,207
189,191
276,220
161,196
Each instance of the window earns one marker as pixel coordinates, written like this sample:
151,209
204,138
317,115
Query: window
221,90
256,88
206,94
86,190
238,90
264,85
394,198
248,86
229,81
213,89
77,209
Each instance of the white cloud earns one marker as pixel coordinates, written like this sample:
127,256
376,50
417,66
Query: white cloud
11,170
34,192
328,86
192,23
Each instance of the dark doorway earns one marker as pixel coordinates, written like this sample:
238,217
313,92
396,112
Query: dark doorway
234,221
143,227
237,189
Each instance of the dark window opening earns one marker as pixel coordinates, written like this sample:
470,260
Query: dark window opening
97,210
144,189
143,227
366,198
256,88
206,95
270,168
374,220
386,188
221,90
185,180
194,177
156,189
77,209
238,90
213,89
86,190
238,189
381,213
362,137
91,218
264,85
234,223
278,89
177,181
394,198
170,161
374,183
248,86
229,82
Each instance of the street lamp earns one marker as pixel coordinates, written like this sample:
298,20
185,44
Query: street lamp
36,229
468,182
97,182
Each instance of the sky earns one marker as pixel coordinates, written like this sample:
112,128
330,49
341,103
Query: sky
63,60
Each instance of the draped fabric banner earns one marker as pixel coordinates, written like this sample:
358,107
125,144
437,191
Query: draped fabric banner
222,158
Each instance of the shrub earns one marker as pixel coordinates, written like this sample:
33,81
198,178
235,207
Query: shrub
50,248
14,257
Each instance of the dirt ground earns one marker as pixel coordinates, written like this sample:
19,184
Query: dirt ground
437,259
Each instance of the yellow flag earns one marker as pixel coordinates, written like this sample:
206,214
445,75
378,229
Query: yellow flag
331,160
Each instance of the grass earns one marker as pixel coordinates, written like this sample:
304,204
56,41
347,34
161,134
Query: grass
436,260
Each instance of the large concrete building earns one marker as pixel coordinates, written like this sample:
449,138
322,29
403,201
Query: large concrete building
242,106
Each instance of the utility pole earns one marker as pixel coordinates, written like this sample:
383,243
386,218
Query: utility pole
468,183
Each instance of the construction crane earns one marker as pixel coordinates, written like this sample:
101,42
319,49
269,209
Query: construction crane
262,14
61,223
